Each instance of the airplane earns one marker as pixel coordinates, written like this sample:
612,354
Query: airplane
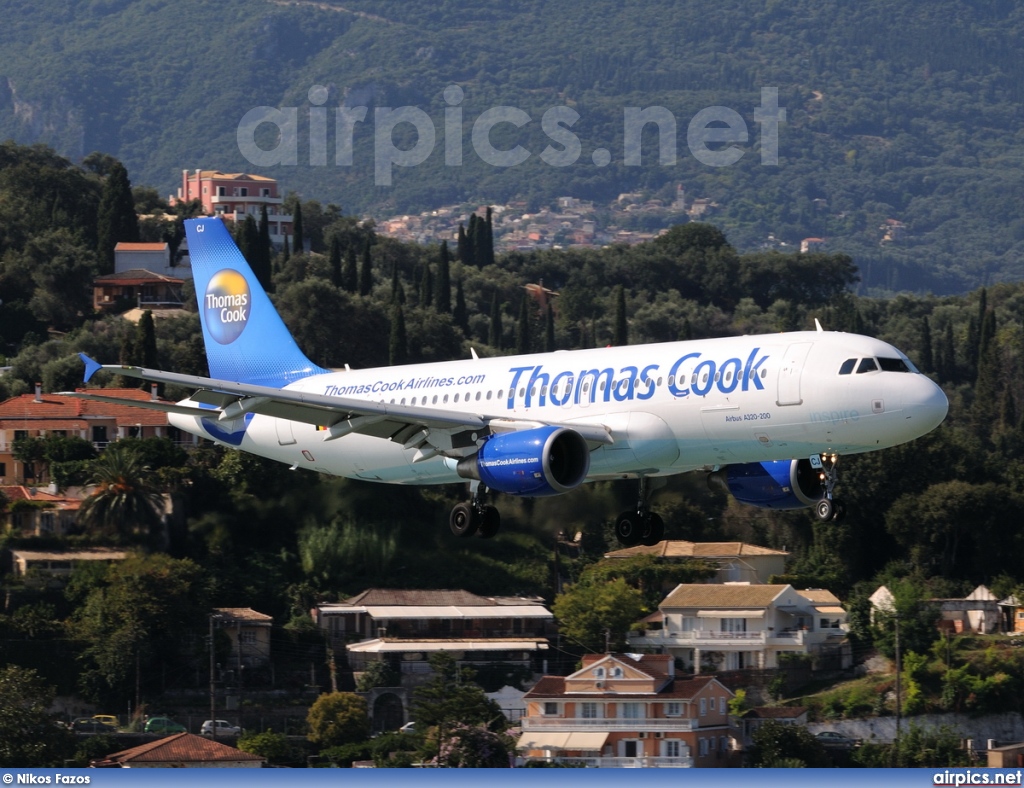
767,416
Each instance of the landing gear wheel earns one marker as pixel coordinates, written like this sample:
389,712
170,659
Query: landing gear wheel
825,510
629,529
490,522
463,520
654,530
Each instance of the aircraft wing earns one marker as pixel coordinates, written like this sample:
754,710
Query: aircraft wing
448,432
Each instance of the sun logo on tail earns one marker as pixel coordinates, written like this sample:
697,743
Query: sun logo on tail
226,305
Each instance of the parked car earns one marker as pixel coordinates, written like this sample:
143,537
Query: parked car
107,719
224,728
833,739
409,727
91,725
163,725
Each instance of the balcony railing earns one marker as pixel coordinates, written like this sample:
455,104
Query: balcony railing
640,762
611,723
699,637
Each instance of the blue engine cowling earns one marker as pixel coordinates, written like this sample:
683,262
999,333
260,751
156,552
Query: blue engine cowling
781,484
541,461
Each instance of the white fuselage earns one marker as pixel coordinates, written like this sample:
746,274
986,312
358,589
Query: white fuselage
670,408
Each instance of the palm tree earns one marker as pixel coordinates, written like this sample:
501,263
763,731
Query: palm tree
124,503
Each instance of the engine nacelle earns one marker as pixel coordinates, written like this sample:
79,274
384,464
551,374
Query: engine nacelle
541,461
781,484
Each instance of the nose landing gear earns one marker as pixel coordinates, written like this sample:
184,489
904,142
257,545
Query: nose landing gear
828,509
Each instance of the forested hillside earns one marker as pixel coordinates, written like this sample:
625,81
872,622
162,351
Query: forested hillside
902,111
943,510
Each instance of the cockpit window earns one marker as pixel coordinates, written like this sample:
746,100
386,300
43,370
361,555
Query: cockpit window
848,366
893,364
867,365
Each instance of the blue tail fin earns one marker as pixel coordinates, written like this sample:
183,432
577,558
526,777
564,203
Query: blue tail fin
246,340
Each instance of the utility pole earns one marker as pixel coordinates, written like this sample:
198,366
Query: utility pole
898,671
213,684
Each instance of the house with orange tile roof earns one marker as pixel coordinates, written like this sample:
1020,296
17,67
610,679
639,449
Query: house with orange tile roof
737,562
249,633
40,415
627,710
181,751
235,195
710,627
31,511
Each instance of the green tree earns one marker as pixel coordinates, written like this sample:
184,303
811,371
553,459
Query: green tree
523,343
337,718
920,747
125,502
494,335
777,745
426,286
591,615
263,251
28,736
377,674
298,236
464,248
136,617
460,314
350,277
334,262
116,219
366,271
398,346
272,746
621,326
444,284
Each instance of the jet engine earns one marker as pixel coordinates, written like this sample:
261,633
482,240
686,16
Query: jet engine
532,463
780,484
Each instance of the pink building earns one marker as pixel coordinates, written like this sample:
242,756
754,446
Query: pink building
234,195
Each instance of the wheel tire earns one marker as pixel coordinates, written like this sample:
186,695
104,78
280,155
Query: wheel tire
628,529
490,523
825,510
463,520
654,530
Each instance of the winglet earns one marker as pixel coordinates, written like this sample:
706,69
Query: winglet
91,366
818,325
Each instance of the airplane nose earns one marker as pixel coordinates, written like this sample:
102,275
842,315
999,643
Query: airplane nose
925,404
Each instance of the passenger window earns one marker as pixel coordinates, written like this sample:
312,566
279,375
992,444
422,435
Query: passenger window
488,395
478,396
847,366
867,365
456,398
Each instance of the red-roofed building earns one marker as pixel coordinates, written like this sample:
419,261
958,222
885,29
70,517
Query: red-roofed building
138,287
626,710
41,415
181,751
34,512
234,195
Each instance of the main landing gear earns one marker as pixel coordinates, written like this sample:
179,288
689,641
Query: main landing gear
475,517
641,526
828,509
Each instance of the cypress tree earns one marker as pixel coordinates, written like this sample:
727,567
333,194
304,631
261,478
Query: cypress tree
621,327
298,239
264,250
686,332
427,287
986,386
366,271
397,291
463,249
444,283
145,345
927,360
398,346
549,331
471,242
251,236
350,276
488,246
494,336
949,370
523,330
116,219
334,257
481,244
460,315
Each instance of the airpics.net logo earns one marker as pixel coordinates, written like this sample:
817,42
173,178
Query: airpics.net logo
714,135
226,305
